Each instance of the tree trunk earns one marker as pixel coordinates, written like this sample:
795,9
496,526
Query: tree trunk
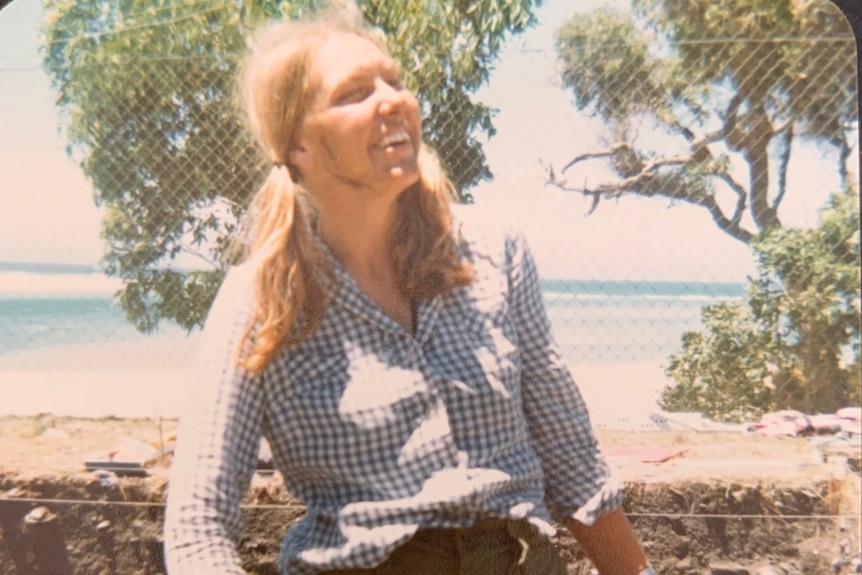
756,151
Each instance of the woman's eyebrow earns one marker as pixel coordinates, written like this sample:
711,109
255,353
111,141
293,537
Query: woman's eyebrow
363,72
353,77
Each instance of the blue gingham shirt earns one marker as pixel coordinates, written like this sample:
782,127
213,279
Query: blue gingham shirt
381,432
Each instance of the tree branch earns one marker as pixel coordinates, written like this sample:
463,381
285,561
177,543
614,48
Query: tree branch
730,115
843,155
192,252
788,125
728,225
783,161
741,200
650,181
592,155
677,161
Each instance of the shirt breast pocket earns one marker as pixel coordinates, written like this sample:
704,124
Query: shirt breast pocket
315,374
478,355
489,359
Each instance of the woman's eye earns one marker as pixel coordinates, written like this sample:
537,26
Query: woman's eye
354,95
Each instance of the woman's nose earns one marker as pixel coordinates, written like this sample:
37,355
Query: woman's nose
391,99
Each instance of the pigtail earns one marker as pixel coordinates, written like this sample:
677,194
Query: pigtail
288,295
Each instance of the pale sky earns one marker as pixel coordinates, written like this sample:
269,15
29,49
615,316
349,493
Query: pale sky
47,213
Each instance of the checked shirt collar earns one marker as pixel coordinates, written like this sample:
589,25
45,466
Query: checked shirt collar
343,291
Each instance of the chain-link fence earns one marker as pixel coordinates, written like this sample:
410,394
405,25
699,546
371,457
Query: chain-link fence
682,152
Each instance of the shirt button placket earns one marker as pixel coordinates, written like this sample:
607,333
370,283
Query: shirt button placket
410,356
436,404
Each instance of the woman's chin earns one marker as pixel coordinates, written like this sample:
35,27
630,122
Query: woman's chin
406,175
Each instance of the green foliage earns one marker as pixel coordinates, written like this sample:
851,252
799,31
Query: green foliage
147,88
607,64
784,347
725,79
804,75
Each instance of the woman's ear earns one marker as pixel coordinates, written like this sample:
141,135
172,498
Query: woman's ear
299,157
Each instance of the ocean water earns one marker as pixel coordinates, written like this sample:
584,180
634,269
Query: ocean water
628,322
55,317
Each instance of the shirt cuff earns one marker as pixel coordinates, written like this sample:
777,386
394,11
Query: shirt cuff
608,497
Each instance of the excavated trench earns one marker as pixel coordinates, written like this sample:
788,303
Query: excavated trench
687,527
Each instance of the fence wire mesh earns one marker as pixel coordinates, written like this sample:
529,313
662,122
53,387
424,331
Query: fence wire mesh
642,168
735,135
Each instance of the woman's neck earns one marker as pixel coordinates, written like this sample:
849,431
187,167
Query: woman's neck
359,235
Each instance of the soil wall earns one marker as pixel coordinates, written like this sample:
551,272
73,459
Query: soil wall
687,528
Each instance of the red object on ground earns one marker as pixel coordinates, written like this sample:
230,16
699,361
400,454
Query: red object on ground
647,454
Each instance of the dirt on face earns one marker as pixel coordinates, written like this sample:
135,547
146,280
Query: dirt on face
686,528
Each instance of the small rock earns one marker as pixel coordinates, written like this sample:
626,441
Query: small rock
771,570
856,565
14,493
39,515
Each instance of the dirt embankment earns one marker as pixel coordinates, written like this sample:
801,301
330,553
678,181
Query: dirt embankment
727,503
687,528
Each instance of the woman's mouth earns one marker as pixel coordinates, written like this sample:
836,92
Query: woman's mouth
396,139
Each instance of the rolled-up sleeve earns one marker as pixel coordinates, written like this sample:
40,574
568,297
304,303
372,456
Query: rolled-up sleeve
217,444
578,482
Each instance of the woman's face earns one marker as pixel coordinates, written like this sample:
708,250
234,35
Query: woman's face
364,129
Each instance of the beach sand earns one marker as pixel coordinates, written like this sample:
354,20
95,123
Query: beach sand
621,394
129,393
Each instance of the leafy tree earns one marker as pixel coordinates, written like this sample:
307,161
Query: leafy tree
783,348
731,86
147,87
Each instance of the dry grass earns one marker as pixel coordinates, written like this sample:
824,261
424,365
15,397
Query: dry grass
45,445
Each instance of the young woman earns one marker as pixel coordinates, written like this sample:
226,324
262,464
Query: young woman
398,359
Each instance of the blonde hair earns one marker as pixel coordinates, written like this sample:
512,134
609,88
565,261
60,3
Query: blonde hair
278,85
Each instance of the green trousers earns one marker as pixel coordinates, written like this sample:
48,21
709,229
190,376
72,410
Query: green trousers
490,547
